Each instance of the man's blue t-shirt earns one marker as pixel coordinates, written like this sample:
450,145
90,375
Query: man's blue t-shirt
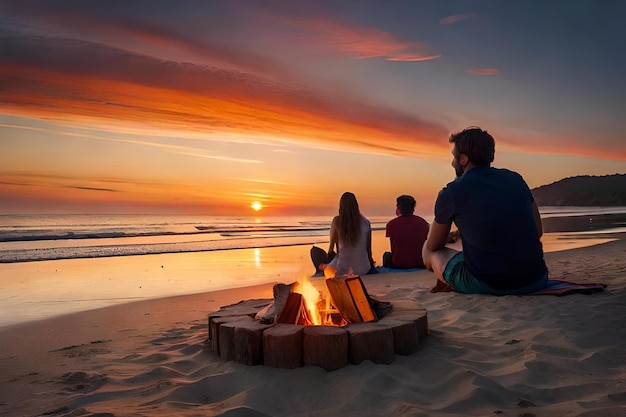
492,209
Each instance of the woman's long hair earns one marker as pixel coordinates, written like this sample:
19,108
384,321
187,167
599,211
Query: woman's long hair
349,219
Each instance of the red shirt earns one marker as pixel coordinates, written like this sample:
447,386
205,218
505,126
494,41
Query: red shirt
407,235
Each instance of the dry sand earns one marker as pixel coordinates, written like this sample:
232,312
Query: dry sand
485,356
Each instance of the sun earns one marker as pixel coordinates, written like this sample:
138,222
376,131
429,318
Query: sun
256,206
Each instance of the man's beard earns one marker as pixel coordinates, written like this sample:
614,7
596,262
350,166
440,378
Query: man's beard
458,169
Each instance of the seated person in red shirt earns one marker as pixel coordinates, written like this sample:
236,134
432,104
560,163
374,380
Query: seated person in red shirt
407,234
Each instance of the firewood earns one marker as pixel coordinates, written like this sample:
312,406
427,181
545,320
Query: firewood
350,298
275,308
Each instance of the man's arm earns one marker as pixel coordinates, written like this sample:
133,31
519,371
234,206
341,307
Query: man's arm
334,238
438,236
369,247
388,234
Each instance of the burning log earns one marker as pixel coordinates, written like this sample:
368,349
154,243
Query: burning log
290,306
295,311
351,299
281,296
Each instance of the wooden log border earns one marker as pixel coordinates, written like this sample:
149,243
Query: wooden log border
398,333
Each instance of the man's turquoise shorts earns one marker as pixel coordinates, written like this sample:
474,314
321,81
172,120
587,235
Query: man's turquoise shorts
458,276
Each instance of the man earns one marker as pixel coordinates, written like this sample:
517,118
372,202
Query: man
407,234
498,221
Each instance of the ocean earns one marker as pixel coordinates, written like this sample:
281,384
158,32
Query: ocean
27,237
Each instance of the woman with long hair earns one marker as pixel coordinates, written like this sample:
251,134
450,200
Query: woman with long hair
351,233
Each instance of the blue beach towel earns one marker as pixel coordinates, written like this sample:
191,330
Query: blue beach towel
557,286
384,269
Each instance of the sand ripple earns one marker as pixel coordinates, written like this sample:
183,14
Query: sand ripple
486,356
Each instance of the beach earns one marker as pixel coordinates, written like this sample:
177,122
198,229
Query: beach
485,355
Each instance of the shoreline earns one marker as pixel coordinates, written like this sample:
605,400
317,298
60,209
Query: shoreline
37,290
584,223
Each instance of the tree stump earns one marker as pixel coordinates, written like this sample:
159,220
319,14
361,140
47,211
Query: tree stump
415,314
214,326
235,310
226,338
235,335
370,341
249,342
325,346
422,326
405,335
282,346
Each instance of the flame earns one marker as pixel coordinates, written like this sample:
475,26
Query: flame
311,297
329,272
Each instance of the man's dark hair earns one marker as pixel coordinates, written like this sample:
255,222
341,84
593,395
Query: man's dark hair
477,144
406,204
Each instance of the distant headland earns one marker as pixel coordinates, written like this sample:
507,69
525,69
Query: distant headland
584,190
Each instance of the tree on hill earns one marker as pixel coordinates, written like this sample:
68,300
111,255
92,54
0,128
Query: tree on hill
584,190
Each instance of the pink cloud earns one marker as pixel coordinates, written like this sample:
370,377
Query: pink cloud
483,71
140,36
358,42
455,18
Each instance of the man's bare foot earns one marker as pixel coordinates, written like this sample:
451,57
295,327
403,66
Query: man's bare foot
441,287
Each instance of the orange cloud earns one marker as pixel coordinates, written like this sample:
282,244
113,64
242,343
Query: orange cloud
47,195
52,78
56,80
49,192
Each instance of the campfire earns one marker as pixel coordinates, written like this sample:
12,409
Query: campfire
327,322
338,301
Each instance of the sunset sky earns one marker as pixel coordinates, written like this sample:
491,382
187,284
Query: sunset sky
203,107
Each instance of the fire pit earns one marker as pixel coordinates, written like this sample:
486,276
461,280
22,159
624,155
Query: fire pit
342,331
